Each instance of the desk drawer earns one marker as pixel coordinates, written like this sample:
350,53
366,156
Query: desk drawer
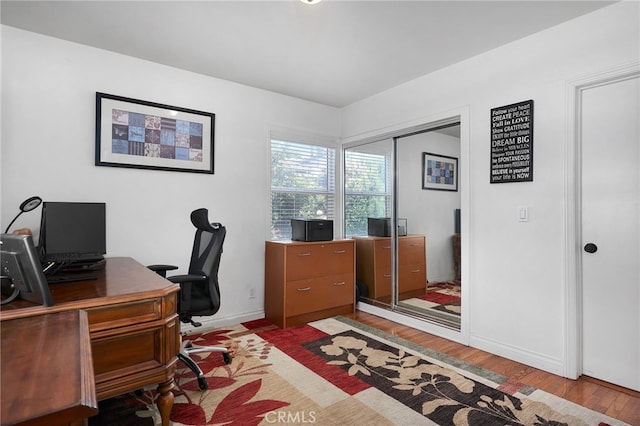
125,314
134,350
129,353
317,294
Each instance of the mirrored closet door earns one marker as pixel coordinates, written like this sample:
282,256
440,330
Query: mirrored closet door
402,206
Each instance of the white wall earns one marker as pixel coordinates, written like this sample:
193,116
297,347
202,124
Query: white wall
428,212
514,272
48,127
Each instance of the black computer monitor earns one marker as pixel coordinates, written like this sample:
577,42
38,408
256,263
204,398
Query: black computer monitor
22,268
72,232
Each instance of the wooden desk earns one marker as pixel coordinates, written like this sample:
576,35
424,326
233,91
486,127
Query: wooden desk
133,323
47,373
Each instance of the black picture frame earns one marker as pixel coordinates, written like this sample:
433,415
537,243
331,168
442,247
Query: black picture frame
512,143
439,172
147,135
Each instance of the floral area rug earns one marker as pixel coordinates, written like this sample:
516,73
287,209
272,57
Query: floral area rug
340,372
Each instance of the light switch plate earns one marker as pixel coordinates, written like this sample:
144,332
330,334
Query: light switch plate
523,214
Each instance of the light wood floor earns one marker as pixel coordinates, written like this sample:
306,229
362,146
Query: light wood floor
614,401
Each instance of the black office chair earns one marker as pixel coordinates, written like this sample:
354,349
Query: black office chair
199,291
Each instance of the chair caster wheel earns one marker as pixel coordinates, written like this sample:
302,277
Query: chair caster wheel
226,357
202,383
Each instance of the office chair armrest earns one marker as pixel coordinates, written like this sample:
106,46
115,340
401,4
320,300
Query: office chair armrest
179,279
162,269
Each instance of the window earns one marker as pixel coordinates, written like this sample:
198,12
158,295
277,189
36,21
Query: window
302,184
367,190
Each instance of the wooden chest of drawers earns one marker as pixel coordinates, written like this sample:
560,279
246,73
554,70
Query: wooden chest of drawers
307,281
373,265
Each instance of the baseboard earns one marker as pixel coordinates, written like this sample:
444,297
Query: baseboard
217,321
533,359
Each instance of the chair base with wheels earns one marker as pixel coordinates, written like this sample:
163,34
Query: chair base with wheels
187,348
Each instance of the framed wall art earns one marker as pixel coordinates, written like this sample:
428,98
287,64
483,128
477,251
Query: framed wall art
512,143
148,135
439,172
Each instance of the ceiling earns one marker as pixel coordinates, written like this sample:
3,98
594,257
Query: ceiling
336,52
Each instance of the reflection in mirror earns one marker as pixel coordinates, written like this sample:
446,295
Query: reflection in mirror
427,265
428,196
367,196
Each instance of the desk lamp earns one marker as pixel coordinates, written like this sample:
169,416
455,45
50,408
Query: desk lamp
26,206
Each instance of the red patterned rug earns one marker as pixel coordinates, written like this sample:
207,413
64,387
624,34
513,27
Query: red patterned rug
340,372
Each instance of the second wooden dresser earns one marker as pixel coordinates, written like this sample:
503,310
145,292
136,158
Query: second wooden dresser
307,281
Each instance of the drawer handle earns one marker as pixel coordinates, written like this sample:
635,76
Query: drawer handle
340,283
304,289
339,251
304,254
386,247
387,275
415,271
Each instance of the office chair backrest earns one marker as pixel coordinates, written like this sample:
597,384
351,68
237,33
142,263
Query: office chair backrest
205,256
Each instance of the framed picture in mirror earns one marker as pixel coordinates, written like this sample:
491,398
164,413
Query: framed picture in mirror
439,172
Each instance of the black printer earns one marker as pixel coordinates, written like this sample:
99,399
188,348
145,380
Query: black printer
311,230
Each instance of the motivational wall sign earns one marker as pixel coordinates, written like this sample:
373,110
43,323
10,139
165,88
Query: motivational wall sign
512,143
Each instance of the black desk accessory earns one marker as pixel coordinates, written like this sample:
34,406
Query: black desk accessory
22,270
26,206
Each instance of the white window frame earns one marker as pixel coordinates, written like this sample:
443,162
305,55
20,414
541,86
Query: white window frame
307,138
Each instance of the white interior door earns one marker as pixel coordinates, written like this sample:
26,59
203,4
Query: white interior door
611,232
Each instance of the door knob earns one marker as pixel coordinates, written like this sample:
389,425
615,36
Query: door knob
590,248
